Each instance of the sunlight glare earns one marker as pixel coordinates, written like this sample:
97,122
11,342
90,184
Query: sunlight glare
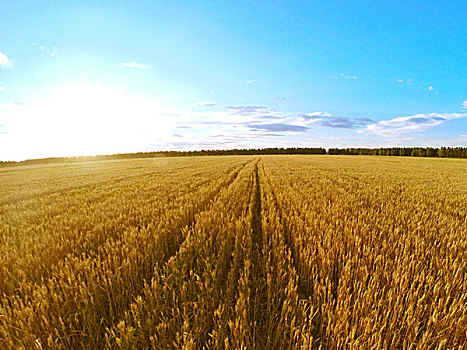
86,120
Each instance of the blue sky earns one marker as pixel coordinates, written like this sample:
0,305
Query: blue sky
96,77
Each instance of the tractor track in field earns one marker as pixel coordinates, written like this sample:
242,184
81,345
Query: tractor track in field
259,298
204,206
180,234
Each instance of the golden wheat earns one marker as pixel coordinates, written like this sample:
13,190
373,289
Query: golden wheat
270,252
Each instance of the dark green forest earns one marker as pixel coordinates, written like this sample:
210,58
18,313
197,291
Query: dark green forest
442,152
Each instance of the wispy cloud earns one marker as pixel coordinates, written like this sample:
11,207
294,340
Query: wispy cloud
49,50
245,123
345,122
432,90
410,124
315,116
250,81
464,104
404,81
344,76
134,65
249,110
269,117
204,104
338,122
5,62
3,88
277,127
279,99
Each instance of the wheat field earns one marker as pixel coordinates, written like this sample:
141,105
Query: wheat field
235,252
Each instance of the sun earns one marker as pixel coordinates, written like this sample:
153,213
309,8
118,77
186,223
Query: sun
87,120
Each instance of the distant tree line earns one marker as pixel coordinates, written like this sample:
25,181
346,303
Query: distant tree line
222,152
443,152
6,163
226,152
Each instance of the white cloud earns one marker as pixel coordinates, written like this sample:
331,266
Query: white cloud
410,124
247,123
2,88
82,120
250,110
318,114
250,81
5,62
204,104
279,99
464,104
430,88
134,65
50,50
86,120
344,76
407,81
